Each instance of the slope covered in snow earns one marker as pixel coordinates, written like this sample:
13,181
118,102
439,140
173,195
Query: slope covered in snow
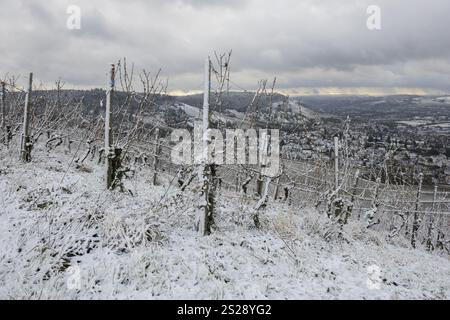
297,107
63,236
191,111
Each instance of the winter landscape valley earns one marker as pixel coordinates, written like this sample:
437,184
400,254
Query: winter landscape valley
64,236
224,159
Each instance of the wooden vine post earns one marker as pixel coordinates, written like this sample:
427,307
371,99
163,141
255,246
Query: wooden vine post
109,148
336,164
416,221
25,145
431,220
156,157
206,196
3,113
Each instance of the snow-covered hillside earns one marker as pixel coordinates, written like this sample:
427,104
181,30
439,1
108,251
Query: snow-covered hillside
298,108
63,236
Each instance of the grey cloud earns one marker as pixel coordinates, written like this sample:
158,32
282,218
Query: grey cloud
211,3
305,43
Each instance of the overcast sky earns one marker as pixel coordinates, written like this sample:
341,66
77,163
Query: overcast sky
311,46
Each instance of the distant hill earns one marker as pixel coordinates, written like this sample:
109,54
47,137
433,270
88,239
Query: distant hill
238,101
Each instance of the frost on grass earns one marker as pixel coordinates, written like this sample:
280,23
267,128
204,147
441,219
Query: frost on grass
60,237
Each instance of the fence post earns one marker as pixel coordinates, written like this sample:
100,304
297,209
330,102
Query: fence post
440,235
156,156
376,201
431,220
439,244
352,199
206,200
416,220
336,164
259,185
370,215
277,189
237,181
25,145
3,114
109,152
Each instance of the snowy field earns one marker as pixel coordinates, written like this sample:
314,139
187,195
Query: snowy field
62,236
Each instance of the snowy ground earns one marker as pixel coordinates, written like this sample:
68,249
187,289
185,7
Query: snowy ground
63,236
